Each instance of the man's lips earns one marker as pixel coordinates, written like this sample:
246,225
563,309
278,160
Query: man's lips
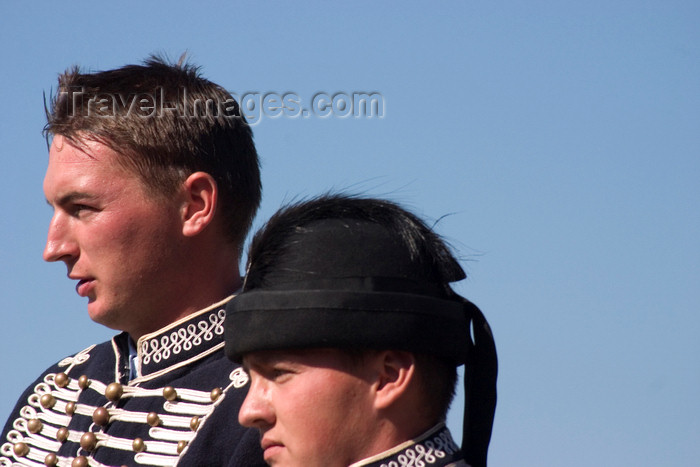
84,286
270,448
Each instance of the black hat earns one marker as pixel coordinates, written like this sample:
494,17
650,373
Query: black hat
351,283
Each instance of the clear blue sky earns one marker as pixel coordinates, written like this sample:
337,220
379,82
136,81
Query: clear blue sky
560,140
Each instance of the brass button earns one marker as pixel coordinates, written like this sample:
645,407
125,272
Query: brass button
51,460
61,380
100,416
34,425
169,393
21,449
153,419
181,445
194,423
80,461
114,391
83,382
62,434
47,401
70,408
138,445
215,394
88,441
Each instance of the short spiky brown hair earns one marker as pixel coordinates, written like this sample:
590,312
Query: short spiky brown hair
167,122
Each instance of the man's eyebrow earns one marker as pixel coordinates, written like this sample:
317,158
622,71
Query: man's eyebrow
71,197
257,361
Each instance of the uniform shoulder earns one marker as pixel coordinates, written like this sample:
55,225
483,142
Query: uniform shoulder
87,357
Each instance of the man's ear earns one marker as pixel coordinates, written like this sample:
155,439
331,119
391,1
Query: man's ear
396,371
201,198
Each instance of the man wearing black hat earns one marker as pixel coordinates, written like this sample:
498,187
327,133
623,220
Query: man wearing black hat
352,335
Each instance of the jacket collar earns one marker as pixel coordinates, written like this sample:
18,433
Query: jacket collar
183,341
433,448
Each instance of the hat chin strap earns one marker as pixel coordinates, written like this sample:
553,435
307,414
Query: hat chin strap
480,373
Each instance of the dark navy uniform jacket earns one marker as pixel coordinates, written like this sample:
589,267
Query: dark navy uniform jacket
435,448
181,409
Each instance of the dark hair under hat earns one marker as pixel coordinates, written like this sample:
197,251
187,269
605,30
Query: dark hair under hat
358,282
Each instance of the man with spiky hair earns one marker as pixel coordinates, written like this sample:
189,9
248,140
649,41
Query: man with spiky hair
154,180
351,334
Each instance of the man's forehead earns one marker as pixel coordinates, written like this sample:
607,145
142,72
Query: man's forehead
68,155
65,149
80,169
270,357
316,357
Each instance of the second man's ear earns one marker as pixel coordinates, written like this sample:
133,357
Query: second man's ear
201,198
396,372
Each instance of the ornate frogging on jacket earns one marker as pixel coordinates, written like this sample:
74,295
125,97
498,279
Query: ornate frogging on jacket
435,448
85,411
156,352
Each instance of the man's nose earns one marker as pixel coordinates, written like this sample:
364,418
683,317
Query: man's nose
59,242
256,411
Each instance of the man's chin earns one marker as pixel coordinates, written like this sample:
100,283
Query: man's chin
100,315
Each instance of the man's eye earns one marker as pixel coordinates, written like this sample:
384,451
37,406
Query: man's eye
78,209
279,373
